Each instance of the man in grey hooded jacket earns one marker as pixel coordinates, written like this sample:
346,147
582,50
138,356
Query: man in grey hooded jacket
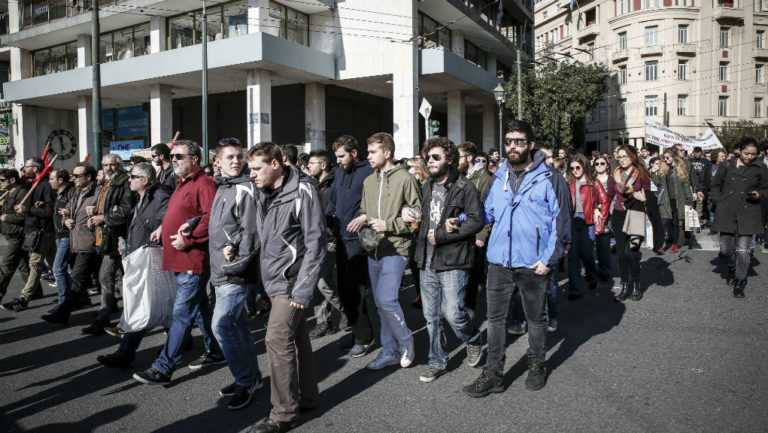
292,245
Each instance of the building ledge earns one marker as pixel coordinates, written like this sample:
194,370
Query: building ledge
651,50
728,14
760,53
438,61
620,55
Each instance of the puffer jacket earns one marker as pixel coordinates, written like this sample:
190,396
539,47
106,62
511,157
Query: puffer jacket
292,243
591,196
13,226
231,224
82,238
531,215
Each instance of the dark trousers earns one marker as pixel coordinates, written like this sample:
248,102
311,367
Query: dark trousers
355,292
629,261
501,287
14,258
477,276
79,277
291,365
654,216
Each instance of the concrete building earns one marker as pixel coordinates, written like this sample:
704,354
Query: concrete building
301,72
700,62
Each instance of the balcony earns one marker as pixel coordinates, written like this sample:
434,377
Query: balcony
725,13
588,32
685,48
651,50
760,53
620,55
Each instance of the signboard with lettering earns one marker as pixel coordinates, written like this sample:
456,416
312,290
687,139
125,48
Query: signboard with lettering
125,148
662,136
131,121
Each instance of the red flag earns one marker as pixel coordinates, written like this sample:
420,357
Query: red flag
87,157
45,153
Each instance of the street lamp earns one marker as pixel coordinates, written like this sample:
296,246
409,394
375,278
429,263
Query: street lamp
501,97
623,135
205,87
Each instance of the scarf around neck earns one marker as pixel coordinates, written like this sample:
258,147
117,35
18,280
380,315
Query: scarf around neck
624,179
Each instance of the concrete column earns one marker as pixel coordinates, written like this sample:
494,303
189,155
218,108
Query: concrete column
259,109
457,42
405,84
84,57
158,40
456,117
21,64
14,12
161,114
24,133
314,115
258,18
84,126
490,136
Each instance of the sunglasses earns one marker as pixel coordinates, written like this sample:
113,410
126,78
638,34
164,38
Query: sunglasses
434,157
600,163
135,176
179,156
231,140
482,161
3,179
77,176
519,142
576,168
154,155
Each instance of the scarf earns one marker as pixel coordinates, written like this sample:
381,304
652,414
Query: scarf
101,203
624,179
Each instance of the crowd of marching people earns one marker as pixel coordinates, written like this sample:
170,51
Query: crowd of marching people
267,231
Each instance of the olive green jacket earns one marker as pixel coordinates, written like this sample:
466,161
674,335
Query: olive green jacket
480,179
683,192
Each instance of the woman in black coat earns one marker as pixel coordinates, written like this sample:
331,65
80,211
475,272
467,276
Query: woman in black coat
736,191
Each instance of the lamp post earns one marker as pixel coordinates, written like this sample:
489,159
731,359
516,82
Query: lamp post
501,97
205,86
623,135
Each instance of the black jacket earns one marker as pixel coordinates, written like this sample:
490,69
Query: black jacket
62,201
729,194
118,210
40,217
13,226
167,180
452,250
147,216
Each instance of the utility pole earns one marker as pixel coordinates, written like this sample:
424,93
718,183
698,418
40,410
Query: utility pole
205,86
666,114
519,88
96,95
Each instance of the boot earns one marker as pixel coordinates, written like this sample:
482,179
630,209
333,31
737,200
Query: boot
637,293
738,288
731,276
626,290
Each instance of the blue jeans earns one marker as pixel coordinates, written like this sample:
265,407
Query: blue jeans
582,251
191,302
386,274
61,265
230,326
603,248
442,295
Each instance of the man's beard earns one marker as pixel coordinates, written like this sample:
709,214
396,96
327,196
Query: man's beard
441,171
521,156
180,171
108,176
463,166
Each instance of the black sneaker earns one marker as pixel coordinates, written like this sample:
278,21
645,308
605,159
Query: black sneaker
242,395
537,375
152,376
113,361
207,359
431,373
485,384
16,305
318,331
474,353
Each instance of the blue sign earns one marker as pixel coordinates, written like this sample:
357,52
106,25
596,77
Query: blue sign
131,121
107,119
125,148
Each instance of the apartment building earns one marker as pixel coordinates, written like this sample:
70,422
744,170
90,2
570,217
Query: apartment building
291,71
691,64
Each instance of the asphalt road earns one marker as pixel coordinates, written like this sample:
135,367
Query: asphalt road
687,358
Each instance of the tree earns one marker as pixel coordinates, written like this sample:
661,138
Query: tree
558,97
732,131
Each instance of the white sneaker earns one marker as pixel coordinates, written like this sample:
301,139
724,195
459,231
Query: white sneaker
406,359
383,360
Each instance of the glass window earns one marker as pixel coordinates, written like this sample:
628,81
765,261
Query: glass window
106,49
445,38
723,71
682,105
760,40
652,105
622,109
623,74
181,31
722,106
277,20
724,31
682,70
759,74
58,58
215,27
623,41
758,107
297,27
651,35
123,44
682,34
141,40
652,70
236,19
474,54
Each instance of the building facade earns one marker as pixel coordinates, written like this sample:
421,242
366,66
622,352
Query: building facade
301,72
690,64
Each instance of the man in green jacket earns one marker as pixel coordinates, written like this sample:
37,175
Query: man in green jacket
385,193
12,226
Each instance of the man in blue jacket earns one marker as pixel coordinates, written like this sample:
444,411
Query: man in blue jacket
529,204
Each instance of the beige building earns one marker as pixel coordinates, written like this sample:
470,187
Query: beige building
700,62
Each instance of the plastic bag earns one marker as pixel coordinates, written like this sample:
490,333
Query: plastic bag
691,219
148,291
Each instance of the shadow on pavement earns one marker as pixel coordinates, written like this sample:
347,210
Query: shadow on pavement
88,424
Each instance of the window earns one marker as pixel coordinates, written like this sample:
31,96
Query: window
724,31
682,105
124,43
590,17
760,40
474,54
432,36
652,70
34,12
594,115
621,111
591,50
758,74
622,41
651,35
622,74
625,7
682,70
682,34
652,105
54,59
758,107
682,2
722,106
651,4
544,15
724,71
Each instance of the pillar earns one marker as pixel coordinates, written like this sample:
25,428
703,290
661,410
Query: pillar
158,39
314,116
259,108
259,19
405,84
84,51
161,114
490,136
456,117
84,126
457,42
25,138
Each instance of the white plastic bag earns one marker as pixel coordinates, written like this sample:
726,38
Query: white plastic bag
148,291
691,219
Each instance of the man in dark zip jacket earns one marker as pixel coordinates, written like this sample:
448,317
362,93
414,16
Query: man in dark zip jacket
445,258
64,191
12,227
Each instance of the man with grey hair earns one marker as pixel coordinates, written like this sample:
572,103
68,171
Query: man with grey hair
147,216
109,219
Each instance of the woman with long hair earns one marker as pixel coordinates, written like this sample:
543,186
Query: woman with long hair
675,193
601,167
716,157
418,169
587,198
631,185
